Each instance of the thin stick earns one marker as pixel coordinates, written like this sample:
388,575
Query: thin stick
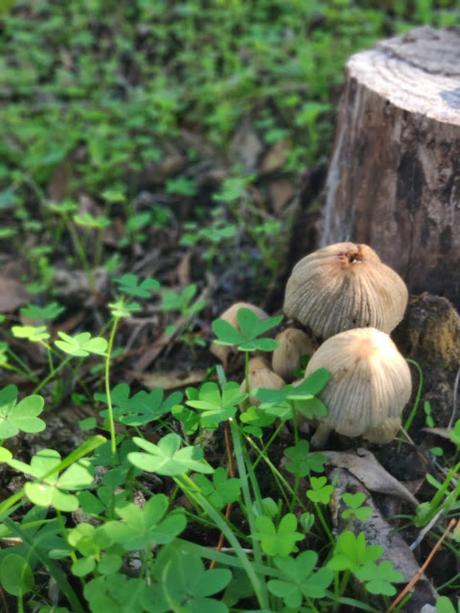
424,566
232,471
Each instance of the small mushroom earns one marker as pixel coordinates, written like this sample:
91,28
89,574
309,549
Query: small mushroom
260,375
370,382
293,344
384,433
344,286
222,352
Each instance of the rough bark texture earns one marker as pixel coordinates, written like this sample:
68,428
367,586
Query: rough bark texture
394,179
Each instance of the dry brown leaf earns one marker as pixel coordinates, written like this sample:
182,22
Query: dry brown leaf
370,472
170,380
12,295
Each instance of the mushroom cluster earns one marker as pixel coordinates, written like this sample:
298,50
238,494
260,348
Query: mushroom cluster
346,296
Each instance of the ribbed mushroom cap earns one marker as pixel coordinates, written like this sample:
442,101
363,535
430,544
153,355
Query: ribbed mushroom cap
260,375
370,381
223,351
344,286
293,344
384,433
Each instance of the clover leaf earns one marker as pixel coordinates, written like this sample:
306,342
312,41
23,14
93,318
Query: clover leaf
222,490
187,583
301,462
250,327
86,220
130,284
35,334
278,541
351,552
215,404
320,492
52,490
379,579
354,502
123,309
19,417
47,313
167,458
143,527
16,576
140,408
299,579
81,345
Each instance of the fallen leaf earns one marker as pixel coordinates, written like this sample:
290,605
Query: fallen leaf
12,295
275,157
170,380
281,192
365,467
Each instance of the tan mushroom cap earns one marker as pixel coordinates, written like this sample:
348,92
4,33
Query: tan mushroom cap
223,351
370,383
344,286
293,344
260,375
384,433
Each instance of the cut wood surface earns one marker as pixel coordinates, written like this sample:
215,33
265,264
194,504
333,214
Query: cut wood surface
394,179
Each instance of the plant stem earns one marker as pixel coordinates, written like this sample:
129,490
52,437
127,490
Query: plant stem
323,522
113,439
51,375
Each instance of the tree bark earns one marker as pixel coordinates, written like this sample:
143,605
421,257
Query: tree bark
394,178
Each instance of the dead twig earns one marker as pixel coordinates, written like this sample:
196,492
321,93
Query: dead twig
451,525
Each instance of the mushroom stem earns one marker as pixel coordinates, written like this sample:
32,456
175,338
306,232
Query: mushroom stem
321,436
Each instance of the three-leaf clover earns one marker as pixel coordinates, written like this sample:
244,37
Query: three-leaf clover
52,489
250,327
130,284
352,552
143,527
86,220
222,490
215,405
19,417
81,345
379,578
301,462
186,583
121,308
354,502
299,579
35,334
281,540
47,313
167,458
140,408
320,491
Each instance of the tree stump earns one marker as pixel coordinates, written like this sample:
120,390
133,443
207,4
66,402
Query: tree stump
394,178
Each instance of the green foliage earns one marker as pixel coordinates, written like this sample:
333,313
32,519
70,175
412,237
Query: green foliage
50,487
81,345
379,579
301,462
246,337
167,458
352,553
222,490
131,285
19,416
47,313
355,510
320,491
16,576
35,334
278,540
299,579
215,405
